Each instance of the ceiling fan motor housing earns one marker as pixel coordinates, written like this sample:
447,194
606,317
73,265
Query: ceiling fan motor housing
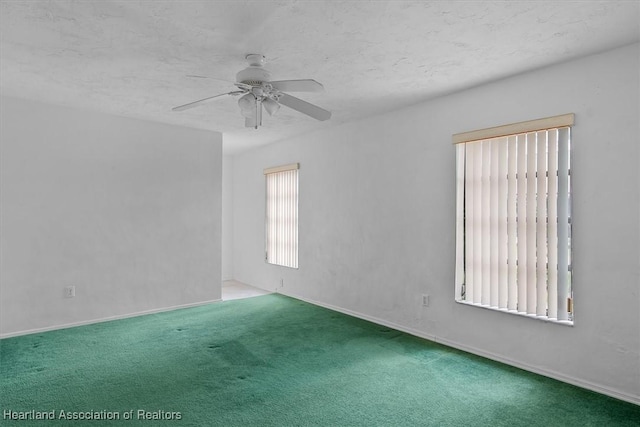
254,74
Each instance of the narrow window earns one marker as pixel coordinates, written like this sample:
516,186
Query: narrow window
281,224
513,233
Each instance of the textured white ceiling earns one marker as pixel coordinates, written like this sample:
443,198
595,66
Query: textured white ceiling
132,58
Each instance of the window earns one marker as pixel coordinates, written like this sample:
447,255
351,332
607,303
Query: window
513,226
281,222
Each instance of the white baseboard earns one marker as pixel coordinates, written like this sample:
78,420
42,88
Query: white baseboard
105,319
544,372
478,352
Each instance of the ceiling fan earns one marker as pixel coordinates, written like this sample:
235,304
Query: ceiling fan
257,90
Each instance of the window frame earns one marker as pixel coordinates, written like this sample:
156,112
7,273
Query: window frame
281,235
500,134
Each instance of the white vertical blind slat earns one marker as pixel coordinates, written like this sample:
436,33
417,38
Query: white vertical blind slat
541,225
284,206
278,219
283,223
531,223
563,223
552,224
477,225
522,223
485,216
469,223
269,233
512,225
460,171
494,238
296,223
266,218
503,238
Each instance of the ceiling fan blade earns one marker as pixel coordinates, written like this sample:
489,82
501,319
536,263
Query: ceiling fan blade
196,76
238,84
245,87
201,101
304,107
305,85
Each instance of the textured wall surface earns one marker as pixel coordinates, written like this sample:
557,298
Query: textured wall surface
227,218
377,220
127,211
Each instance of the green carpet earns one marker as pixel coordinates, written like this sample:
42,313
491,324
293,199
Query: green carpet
275,361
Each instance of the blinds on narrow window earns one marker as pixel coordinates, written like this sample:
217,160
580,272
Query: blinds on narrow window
281,222
514,220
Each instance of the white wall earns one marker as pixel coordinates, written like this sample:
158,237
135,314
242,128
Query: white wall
127,211
227,218
377,211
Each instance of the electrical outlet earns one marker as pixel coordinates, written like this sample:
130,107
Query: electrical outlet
425,300
69,291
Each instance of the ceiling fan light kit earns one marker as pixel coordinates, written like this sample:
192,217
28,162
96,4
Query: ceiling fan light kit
247,104
271,106
257,90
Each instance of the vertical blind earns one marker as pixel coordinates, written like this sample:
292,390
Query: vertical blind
514,219
281,222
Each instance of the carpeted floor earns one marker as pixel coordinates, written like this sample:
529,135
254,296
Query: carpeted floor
274,361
